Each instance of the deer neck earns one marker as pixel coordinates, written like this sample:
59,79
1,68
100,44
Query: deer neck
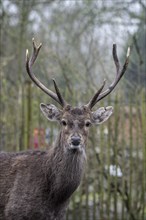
67,170
70,162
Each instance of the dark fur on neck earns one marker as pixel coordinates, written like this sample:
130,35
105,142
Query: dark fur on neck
66,169
38,185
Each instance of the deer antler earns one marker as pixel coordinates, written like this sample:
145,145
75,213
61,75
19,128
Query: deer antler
29,63
98,95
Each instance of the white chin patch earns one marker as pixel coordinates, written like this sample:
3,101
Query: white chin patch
75,148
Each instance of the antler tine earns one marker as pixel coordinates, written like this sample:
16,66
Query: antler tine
115,57
119,74
93,100
29,63
35,52
59,94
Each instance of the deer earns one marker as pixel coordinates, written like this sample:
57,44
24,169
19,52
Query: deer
37,185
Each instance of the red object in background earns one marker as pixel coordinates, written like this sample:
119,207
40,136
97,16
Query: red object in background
42,137
36,142
38,138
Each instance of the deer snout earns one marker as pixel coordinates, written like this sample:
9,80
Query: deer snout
75,140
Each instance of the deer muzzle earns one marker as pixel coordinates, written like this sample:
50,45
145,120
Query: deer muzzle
75,143
75,140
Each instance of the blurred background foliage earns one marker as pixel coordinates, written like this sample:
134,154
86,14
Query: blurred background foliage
77,37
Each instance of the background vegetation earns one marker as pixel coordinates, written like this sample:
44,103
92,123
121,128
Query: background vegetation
77,37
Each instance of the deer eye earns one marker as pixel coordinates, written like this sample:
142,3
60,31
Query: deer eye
63,122
88,123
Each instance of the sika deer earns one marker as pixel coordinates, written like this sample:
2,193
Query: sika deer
36,185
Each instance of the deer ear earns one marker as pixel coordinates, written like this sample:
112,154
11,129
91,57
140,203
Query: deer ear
102,114
51,112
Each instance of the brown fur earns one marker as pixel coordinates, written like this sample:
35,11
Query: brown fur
37,185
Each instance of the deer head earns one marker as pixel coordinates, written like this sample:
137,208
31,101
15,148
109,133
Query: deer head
75,121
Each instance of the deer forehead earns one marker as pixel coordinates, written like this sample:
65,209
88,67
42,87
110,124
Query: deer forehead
76,114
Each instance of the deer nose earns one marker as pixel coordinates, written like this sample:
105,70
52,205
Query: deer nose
75,140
